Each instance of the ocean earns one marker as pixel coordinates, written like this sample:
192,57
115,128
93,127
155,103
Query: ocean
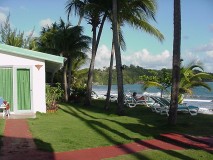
201,97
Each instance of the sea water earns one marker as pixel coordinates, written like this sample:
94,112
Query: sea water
201,97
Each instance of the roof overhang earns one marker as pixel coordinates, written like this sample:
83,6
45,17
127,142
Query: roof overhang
52,62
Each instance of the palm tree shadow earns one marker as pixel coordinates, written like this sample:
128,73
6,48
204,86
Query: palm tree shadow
24,148
96,125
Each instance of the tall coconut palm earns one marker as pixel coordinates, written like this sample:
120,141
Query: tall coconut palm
65,40
95,12
123,47
135,13
115,27
172,119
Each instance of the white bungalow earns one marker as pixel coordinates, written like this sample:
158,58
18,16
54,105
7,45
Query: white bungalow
22,78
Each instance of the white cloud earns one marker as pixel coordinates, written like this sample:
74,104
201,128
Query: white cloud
204,54
102,57
141,58
3,14
204,48
31,32
3,18
146,59
149,60
4,9
46,22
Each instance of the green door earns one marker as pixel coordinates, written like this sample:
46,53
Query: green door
6,85
23,89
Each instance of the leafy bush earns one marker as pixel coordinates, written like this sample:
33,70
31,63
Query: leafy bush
53,94
77,94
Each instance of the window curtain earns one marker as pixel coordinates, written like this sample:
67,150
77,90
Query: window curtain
6,85
23,89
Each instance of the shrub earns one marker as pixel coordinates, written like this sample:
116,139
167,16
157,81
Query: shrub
77,94
53,94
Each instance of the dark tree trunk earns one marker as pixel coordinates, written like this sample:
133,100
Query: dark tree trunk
91,70
172,119
69,77
65,82
95,44
110,78
120,108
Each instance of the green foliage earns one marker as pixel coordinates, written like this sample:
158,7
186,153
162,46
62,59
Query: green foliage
161,80
53,94
14,37
135,74
78,94
193,76
190,77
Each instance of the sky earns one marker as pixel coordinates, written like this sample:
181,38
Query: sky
142,49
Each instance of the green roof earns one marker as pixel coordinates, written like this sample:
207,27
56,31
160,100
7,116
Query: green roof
49,58
31,53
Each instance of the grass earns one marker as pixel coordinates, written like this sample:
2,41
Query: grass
76,127
2,123
189,154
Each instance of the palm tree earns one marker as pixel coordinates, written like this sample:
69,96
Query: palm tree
123,47
192,76
65,40
172,119
162,81
115,27
136,14
95,12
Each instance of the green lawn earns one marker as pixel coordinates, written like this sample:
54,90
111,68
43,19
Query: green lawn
2,123
189,154
77,127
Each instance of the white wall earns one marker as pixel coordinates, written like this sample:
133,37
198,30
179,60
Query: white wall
38,102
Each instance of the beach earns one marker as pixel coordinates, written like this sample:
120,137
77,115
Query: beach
201,97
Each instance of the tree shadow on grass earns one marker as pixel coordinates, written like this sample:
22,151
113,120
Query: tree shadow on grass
24,148
94,123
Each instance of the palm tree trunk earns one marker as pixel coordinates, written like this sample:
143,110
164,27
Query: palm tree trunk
95,44
100,31
91,70
172,119
120,108
69,77
106,107
65,82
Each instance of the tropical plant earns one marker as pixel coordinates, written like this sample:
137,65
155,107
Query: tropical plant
161,80
192,76
13,37
53,94
136,14
95,12
64,40
172,119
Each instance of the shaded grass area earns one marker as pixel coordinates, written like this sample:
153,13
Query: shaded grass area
189,154
2,124
77,127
